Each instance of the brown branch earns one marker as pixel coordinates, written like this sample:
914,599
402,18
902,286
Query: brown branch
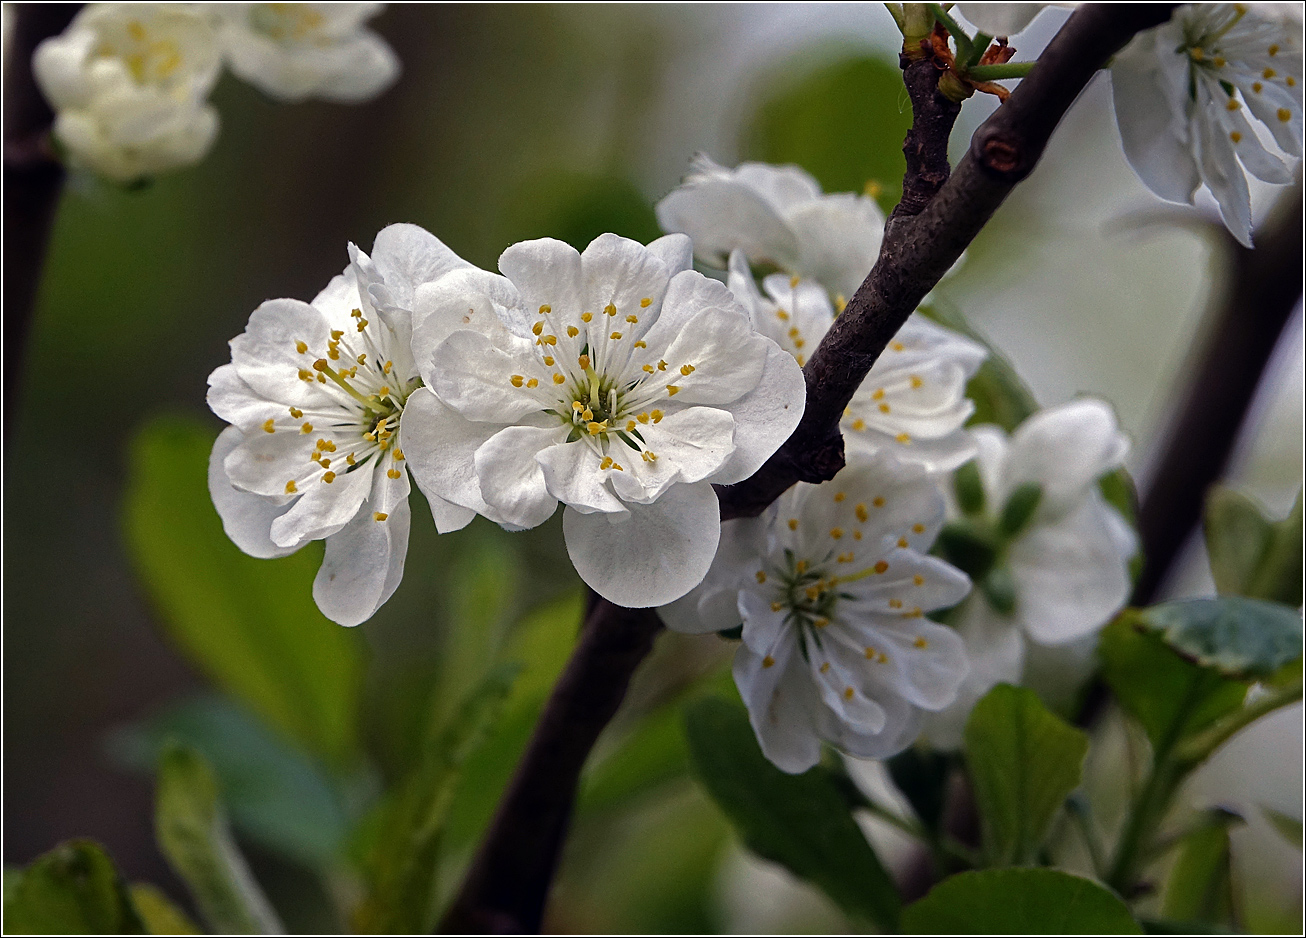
918,249
33,179
1259,299
509,880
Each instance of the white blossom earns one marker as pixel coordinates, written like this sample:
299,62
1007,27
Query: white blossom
1003,19
832,584
913,401
1067,565
316,395
776,215
1183,93
128,83
618,382
294,51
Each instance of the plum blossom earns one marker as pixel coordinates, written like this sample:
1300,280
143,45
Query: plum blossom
315,395
832,584
776,215
913,402
1003,19
1050,557
129,83
294,51
618,382
1183,93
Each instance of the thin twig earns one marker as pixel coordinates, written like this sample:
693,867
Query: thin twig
33,179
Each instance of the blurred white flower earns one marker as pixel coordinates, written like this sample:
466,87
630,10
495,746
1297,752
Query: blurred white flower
294,51
128,83
832,584
912,403
1056,553
776,215
618,382
316,394
1181,93
1004,19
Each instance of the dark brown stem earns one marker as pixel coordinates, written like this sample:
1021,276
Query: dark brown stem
918,249
508,883
33,179
510,876
1262,292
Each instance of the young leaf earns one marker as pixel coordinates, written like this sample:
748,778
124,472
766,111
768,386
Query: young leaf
1250,554
160,915
249,624
191,827
1200,888
1240,638
1019,902
1169,696
1023,761
652,754
1280,575
402,864
75,889
799,821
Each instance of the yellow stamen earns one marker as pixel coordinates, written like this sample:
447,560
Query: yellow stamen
572,331
379,516
768,661
328,477
672,389
586,317
268,425
881,566
761,576
517,381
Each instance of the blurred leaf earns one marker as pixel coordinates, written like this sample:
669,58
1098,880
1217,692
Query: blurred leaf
1000,396
160,915
1169,696
922,777
277,796
799,821
540,645
844,123
1240,638
1200,887
578,207
1023,761
650,755
1019,902
75,889
1250,554
191,827
403,862
250,624
1288,827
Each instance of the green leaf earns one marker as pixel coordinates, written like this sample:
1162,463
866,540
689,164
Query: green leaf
810,113
1250,554
160,915
1288,827
192,831
1023,761
1019,902
800,821
278,797
1169,696
1200,887
75,889
1240,638
650,755
249,624
403,862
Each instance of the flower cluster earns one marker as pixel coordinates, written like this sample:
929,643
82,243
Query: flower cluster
129,82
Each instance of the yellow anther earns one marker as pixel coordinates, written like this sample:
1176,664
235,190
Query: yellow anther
393,473
538,327
840,303
630,426
686,370
379,516
619,467
848,693
305,375
921,642
559,379
782,315
548,361
648,369
1219,61
857,535
615,335
902,542
584,362
641,344
301,347
646,302
859,424
799,343
881,658
333,354
1257,86
870,653
596,428
517,381
768,661
577,405
385,391
761,576
587,414
290,487
606,463
349,458
1197,53
918,580
884,408
914,614
399,455
320,365
337,335
545,309
1290,82
269,425
801,566
794,333
296,412
824,667
861,512
572,331
672,389
550,340
845,557
356,313
918,528
632,318
903,438
586,317
610,310
881,566
836,533
878,501
897,346
306,428
1273,50
1283,114
657,416
839,496
793,524
895,604
362,324
916,382
878,395
662,366
1233,104
328,477
794,281
642,418
648,456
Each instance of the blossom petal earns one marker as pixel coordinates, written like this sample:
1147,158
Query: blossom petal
688,445
1065,450
324,508
236,402
511,479
267,356
572,475
765,416
688,294
470,299
247,518
1001,19
1152,140
546,272
440,445
623,273
838,240
657,555
780,700
674,250
407,256
473,375
713,605
362,566
725,358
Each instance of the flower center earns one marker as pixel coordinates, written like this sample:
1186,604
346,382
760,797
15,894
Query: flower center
151,59
287,23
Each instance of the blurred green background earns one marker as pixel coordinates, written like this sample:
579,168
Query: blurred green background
125,608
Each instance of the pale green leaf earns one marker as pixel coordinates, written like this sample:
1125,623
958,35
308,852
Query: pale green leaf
1240,638
160,915
75,889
